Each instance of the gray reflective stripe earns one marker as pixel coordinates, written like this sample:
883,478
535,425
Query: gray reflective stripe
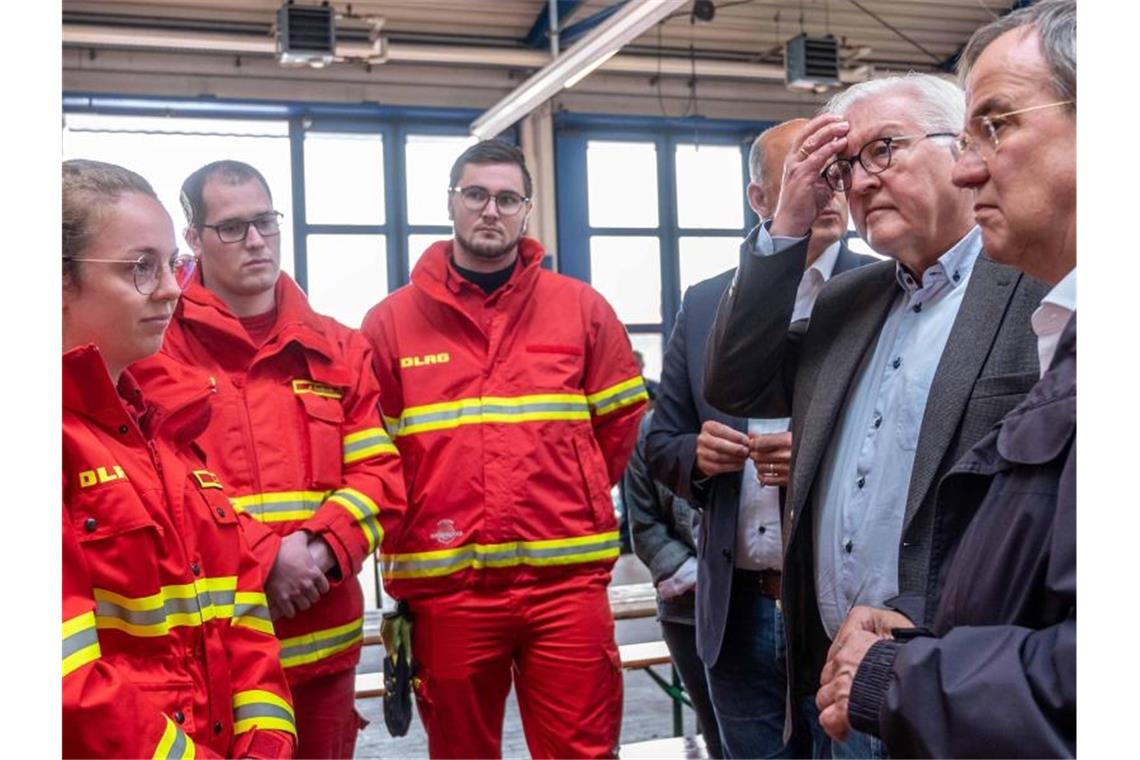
204,600
621,396
261,710
178,746
369,521
466,553
314,646
80,640
252,610
378,439
481,409
292,505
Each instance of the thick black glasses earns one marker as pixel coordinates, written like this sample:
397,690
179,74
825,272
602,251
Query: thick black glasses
235,230
147,269
875,157
476,198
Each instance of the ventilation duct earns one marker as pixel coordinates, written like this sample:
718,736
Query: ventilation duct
811,64
306,35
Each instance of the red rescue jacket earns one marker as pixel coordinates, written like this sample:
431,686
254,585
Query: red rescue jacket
297,438
514,413
168,650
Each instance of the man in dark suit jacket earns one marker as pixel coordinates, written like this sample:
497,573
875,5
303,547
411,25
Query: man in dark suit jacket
701,453
903,366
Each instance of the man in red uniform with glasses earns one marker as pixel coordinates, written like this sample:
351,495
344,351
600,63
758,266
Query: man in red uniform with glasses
295,437
514,399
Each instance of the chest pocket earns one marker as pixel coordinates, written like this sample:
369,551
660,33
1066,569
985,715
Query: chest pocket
207,490
552,366
118,534
322,420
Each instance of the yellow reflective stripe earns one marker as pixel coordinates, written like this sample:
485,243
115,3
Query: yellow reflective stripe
562,551
256,708
189,604
319,645
80,642
251,610
491,409
173,744
280,506
616,396
361,507
366,444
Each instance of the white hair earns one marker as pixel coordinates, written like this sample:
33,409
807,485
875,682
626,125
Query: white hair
939,104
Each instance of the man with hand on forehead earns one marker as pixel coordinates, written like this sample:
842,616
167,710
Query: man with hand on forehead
902,367
996,674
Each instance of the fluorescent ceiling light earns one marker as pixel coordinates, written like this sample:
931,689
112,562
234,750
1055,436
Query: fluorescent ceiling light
634,18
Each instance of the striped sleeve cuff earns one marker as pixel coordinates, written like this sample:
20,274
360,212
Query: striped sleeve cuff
869,690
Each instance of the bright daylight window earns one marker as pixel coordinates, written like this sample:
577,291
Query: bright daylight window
427,169
166,150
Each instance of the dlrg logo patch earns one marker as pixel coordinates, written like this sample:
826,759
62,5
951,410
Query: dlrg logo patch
422,361
89,478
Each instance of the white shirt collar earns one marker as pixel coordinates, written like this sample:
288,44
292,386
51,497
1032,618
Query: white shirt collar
825,264
1050,318
1064,293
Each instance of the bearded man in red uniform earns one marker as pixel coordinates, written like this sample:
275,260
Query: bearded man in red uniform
295,435
514,399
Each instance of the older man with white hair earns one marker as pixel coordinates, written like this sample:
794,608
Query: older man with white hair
996,674
903,366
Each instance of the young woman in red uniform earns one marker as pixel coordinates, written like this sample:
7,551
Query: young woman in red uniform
168,649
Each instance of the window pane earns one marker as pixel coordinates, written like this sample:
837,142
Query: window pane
417,244
622,184
149,146
344,178
704,257
428,160
650,346
710,186
857,244
627,271
348,275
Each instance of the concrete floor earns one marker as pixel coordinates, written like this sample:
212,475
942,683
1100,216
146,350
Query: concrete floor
647,710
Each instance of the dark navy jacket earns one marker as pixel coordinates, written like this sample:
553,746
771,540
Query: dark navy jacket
998,677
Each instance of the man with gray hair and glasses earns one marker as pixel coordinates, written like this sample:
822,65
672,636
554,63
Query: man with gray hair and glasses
902,367
996,674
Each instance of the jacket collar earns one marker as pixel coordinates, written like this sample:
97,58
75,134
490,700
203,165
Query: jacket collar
1038,429
296,320
435,275
89,392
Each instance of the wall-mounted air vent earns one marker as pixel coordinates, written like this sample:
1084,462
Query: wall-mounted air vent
306,35
811,64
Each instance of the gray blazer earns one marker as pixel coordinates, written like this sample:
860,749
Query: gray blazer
759,366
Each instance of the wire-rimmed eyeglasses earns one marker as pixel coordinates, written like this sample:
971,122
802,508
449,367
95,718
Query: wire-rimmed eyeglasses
875,157
235,230
475,198
147,269
981,132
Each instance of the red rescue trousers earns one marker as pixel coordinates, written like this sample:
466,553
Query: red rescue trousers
558,636
327,721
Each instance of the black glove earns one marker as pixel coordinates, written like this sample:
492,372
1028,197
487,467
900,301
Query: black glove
396,631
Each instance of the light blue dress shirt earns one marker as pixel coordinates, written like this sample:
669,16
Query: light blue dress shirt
860,500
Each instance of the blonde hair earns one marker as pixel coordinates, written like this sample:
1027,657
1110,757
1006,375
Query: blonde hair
89,188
